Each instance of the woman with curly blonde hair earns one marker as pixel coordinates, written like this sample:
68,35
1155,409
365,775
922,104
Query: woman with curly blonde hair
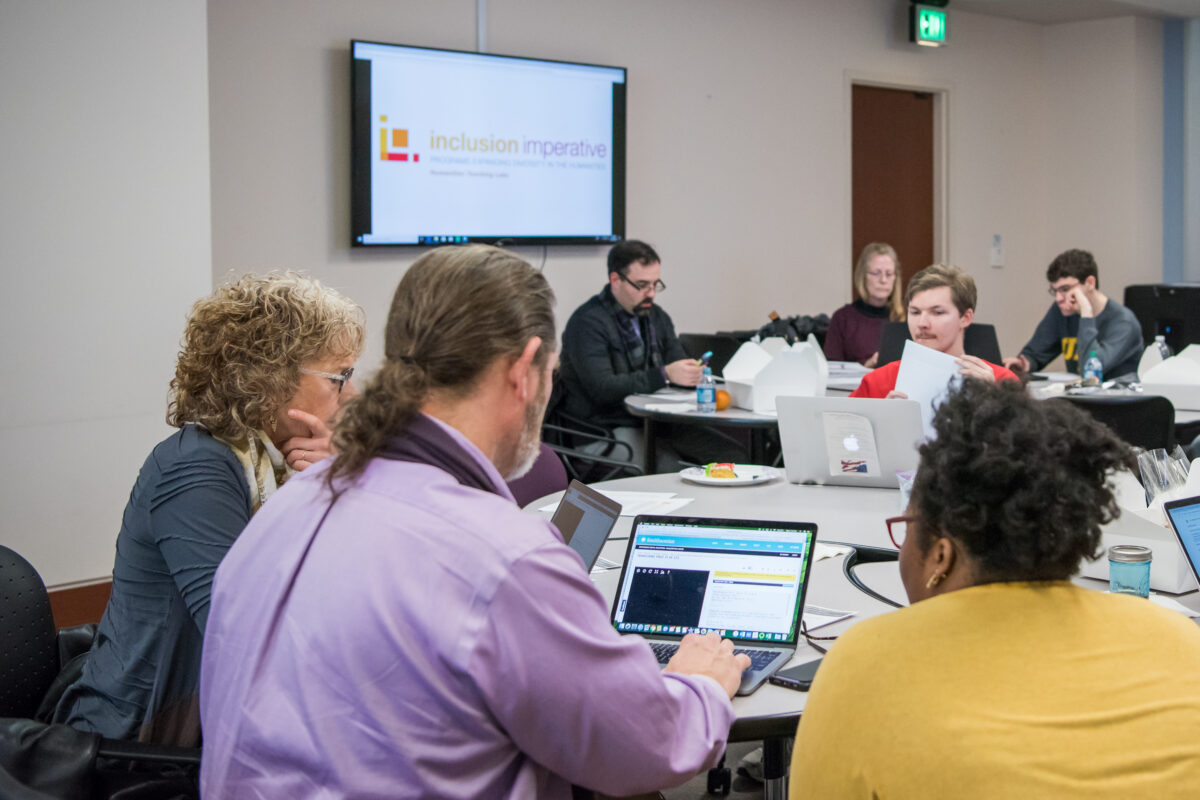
265,364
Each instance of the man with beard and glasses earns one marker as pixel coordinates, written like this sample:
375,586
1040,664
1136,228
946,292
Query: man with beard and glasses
391,624
620,343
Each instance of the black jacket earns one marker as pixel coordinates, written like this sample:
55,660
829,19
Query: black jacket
598,369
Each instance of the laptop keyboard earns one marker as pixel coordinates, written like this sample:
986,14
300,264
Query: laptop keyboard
758,658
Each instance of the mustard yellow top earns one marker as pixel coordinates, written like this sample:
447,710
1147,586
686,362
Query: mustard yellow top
1008,690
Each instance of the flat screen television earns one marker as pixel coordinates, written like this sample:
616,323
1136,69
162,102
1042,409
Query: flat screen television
451,147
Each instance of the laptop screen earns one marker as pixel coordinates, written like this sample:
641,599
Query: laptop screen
584,518
1185,519
742,579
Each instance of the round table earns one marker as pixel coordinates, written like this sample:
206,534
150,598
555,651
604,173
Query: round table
842,514
639,405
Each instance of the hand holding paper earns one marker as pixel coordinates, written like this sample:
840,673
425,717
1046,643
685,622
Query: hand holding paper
927,376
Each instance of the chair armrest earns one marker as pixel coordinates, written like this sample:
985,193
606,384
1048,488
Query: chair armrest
75,640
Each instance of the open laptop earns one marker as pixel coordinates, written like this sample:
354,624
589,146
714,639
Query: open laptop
848,441
1184,516
743,579
585,518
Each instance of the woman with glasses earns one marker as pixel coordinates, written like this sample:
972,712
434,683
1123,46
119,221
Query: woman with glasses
856,328
265,364
1002,678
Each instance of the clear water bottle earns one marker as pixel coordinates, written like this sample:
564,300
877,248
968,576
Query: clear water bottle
1161,343
1092,368
706,393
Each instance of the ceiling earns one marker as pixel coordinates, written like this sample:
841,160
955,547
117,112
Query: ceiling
1050,12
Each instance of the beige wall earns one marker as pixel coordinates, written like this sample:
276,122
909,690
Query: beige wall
104,243
1104,146
738,143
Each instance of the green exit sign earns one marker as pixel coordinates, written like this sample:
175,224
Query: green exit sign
927,26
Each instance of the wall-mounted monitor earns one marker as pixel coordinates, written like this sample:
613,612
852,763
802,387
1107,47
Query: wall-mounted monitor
451,147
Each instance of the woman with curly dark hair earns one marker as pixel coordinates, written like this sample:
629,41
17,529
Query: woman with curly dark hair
1002,678
265,364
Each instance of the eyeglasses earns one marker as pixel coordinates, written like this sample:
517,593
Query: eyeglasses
885,275
1055,291
642,286
339,378
898,528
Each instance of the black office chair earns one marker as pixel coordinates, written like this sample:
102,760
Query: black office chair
40,760
979,339
566,435
723,347
1145,421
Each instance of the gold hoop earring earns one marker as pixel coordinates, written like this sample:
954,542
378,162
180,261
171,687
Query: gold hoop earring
934,580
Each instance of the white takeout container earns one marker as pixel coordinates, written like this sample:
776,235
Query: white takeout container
1148,527
1176,378
760,372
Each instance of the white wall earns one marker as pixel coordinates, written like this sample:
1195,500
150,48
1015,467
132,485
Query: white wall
1191,139
104,244
738,160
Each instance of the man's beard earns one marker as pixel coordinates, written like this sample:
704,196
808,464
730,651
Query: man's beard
527,447
643,309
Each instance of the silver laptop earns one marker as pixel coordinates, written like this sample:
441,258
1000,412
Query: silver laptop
1185,521
743,579
848,441
585,518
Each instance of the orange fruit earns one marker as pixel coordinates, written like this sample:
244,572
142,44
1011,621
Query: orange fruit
723,399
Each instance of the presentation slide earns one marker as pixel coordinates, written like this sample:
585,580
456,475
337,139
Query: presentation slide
473,147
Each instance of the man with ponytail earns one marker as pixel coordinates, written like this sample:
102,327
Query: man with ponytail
394,625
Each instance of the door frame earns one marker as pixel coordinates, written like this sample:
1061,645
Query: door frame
941,152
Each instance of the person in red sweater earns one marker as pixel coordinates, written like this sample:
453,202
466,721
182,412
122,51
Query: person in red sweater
941,304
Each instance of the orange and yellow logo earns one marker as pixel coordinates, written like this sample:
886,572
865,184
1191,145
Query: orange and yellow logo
399,143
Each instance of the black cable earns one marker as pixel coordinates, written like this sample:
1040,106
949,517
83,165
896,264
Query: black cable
865,554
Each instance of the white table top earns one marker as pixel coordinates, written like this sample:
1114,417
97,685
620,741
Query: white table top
842,514
848,514
643,405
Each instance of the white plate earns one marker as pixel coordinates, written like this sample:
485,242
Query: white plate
746,475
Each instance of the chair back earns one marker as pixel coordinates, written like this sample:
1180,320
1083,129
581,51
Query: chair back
1145,421
979,339
28,646
722,347
546,476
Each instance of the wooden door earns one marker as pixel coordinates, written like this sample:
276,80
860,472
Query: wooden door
892,175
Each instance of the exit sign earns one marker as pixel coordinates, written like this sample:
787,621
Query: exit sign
927,26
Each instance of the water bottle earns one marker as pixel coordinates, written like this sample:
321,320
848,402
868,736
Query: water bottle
706,392
1161,343
1092,368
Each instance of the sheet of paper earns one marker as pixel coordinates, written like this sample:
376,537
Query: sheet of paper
926,376
634,503
850,443
672,408
846,369
1166,602
818,617
823,551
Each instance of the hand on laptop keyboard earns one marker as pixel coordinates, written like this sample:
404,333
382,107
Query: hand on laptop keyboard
712,656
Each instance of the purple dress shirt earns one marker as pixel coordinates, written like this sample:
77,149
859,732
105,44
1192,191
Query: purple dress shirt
431,640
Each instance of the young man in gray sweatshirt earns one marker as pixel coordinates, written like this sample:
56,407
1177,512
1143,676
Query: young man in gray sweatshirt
1081,320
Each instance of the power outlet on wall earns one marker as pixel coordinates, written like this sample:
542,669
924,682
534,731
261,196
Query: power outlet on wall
996,255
